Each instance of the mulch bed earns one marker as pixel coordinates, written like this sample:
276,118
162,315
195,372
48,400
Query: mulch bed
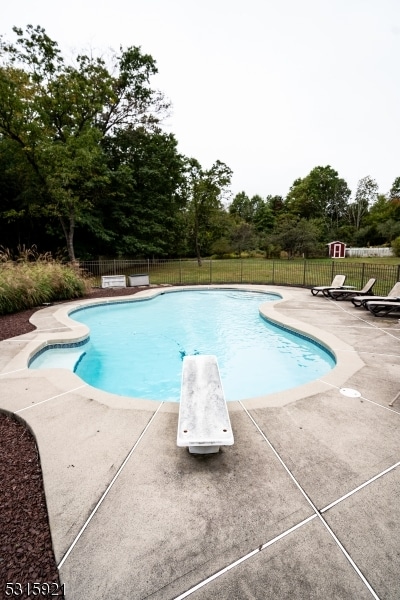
26,550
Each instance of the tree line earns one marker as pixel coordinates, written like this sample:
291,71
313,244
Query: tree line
86,169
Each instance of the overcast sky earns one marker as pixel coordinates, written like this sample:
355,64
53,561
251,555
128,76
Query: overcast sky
272,88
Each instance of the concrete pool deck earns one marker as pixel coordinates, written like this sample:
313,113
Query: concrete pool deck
305,504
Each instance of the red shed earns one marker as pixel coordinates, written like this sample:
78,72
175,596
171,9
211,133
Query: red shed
337,249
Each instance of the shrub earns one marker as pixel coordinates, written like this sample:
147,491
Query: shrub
396,246
25,284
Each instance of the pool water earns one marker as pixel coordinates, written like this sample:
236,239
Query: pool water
136,348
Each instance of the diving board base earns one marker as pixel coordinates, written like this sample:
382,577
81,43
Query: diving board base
203,449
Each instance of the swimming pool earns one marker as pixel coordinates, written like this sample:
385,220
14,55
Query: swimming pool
136,348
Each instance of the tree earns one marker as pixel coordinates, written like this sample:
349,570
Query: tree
254,211
276,204
394,199
140,210
264,218
366,195
58,114
19,193
396,246
383,220
296,236
394,193
223,226
321,194
241,207
205,191
243,237
76,173
389,229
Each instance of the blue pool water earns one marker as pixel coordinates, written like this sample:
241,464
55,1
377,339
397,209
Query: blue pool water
136,348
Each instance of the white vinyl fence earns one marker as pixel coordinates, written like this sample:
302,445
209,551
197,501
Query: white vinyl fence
368,252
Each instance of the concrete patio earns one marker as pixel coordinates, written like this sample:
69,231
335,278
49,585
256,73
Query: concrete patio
304,505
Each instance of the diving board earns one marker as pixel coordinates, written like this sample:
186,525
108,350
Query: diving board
203,424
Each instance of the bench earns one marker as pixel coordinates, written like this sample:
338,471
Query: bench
113,281
203,424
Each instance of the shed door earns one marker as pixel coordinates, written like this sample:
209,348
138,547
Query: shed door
337,250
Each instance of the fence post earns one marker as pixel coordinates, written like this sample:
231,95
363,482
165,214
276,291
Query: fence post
273,271
115,268
304,273
333,262
210,270
180,270
241,270
362,275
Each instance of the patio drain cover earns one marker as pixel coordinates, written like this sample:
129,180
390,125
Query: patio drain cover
350,393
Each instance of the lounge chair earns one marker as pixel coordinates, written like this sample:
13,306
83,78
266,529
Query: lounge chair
392,296
337,282
347,294
383,307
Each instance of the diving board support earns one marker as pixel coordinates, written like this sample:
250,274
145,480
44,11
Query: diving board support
203,424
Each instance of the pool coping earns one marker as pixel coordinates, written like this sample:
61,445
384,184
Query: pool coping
241,521
55,326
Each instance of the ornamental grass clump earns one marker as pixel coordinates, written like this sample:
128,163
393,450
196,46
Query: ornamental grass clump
32,280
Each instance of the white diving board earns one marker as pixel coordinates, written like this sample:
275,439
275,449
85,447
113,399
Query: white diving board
203,424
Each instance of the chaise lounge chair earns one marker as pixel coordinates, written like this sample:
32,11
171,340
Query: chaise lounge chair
393,296
383,307
337,282
343,294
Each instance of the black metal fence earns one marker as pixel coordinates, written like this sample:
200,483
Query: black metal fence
303,273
